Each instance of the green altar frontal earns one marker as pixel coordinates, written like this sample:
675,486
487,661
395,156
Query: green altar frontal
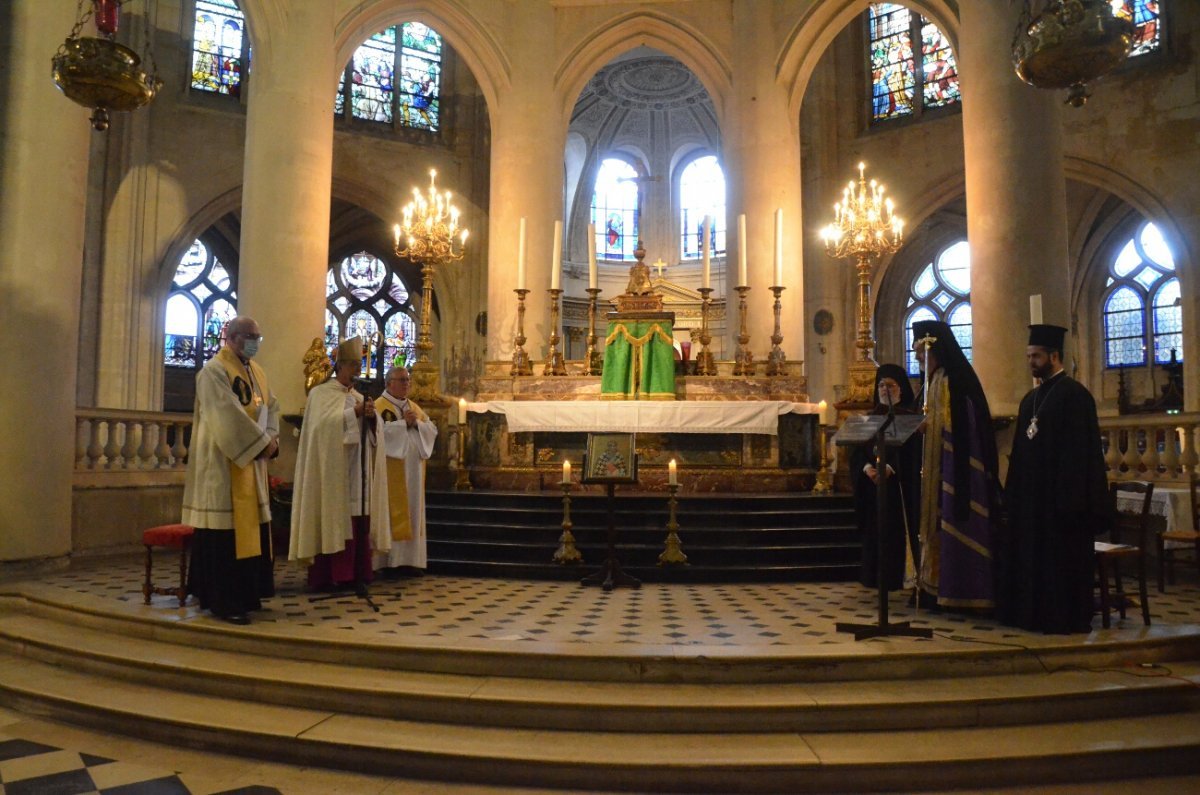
639,357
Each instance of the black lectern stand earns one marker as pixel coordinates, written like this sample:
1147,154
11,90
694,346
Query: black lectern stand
886,431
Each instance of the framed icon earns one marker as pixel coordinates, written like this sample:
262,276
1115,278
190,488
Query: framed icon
610,458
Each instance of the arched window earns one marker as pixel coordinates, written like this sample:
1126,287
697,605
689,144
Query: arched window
900,84
615,210
220,48
942,291
363,294
1147,19
395,85
701,193
1141,309
201,302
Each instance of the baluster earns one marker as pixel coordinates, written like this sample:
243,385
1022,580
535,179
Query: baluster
130,445
1132,457
163,452
146,450
95,449
179,450
112,448
1170,457
1113,457
1150,457
1189,457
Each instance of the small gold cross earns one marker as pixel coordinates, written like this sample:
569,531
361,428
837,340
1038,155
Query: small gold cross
661,267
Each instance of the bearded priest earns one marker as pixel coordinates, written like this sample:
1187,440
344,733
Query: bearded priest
398,501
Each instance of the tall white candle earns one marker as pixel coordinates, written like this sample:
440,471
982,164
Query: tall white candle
672,473
742,244
591,256
566,477
556,262
462,411
778,248
1035,309
704,249
821,412
521,256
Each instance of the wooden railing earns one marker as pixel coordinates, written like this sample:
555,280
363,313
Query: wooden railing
1158,447
121,440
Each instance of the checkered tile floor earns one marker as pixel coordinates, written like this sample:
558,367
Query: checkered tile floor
787,615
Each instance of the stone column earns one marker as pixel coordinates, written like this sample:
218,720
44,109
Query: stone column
528,145
762,164
1016,201
286,198
43,184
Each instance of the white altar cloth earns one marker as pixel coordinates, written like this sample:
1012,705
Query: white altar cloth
648,416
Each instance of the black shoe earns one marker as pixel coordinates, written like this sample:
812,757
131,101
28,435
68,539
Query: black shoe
240,619
360,590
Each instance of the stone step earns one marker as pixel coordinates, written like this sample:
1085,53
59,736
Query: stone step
759,761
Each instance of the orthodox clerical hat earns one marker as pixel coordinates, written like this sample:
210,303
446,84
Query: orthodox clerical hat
930,328
350,350
1047,336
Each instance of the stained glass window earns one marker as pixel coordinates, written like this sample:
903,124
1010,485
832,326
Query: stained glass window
1147,20
898,87
363,296
393,84
942,291
615,210
1141,310
202,300
220,48
701,193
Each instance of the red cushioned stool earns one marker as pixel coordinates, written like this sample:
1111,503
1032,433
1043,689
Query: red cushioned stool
174,536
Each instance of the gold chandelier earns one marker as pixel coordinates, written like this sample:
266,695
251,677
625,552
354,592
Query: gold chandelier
1072,42
865,227
100,74
429,235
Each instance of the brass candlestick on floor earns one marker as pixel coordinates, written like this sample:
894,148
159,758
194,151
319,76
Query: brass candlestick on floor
593,360
777,359
567,553
704,359
743,359
462,482
520,360
555,365
824,483
672,554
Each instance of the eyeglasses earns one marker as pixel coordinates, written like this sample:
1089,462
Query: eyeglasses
255,337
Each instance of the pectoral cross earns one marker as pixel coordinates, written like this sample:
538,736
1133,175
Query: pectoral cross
662,266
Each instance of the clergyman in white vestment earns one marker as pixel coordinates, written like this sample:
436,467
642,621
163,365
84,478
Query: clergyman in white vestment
398,500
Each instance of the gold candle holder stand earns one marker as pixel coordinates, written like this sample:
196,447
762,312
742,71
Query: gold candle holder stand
672,554
567,554
462,481
743,359
593,363
704,359
777,359
824,484
555,365
520,360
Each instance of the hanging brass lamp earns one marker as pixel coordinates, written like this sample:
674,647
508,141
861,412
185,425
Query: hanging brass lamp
1069,43
100,74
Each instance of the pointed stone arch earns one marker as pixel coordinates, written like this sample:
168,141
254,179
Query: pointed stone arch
644,29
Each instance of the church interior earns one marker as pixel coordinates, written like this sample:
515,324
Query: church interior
656,234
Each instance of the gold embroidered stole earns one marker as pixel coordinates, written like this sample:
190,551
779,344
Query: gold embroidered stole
246,516
397,477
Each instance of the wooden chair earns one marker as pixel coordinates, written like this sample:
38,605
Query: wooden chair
1134,526
1179,539
174,536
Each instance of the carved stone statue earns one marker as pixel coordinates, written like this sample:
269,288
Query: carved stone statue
317,369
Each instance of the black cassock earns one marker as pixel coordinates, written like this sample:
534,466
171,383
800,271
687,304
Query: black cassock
904,510
1057,499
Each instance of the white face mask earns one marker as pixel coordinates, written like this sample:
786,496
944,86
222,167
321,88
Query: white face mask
250,348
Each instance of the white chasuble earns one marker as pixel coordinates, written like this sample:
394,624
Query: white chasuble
235,417
398,502
329,484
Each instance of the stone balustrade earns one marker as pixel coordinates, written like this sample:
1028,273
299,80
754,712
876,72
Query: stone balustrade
1157,447
122,440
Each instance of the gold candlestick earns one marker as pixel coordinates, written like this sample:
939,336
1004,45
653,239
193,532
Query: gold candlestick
567,553
777,359
520,365
593,360
462,482
554,360
743,360
824,484
672,554
704,359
